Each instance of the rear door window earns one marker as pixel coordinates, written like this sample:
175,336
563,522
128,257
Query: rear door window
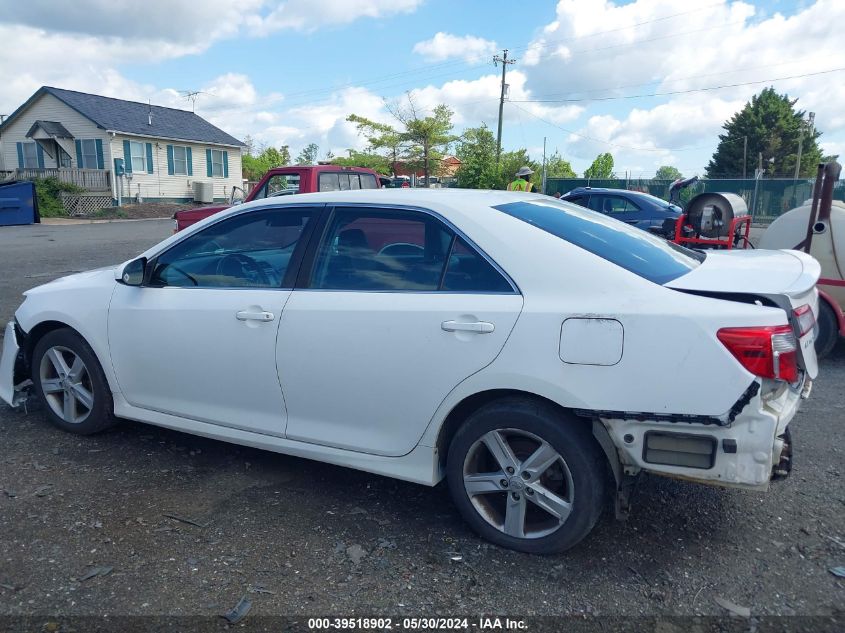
630,248
469,271
400,250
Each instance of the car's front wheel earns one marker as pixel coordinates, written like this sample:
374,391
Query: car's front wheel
70,383
527,476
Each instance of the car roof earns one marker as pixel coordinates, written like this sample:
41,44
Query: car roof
419,197
601,190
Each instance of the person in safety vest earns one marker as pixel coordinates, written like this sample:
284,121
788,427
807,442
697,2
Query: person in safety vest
523,180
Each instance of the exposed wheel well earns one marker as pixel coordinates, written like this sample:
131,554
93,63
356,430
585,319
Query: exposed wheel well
36,334
473,403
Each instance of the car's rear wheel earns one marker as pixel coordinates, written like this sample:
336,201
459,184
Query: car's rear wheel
527,476
828,329
70,383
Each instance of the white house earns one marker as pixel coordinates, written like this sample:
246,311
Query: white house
86,139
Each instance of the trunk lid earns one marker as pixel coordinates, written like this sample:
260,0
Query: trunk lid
786,278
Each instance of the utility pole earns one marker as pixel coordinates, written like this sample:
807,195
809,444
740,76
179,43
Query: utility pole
543,189
504,61
744,155
810,125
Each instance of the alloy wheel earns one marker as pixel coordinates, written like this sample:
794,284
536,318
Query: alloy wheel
518,483
66,384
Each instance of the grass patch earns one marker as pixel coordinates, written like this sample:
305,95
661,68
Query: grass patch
47,191
110,213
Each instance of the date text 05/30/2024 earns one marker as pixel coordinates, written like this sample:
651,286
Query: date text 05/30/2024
417,624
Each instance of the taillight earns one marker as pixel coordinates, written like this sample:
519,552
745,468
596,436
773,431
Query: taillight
765,351
805,320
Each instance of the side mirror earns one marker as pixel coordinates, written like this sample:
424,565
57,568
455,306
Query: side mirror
133,272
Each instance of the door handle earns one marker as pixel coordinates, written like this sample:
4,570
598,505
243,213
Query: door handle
479,327
247,315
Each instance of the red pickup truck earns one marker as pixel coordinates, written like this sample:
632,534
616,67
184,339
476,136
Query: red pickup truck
282,181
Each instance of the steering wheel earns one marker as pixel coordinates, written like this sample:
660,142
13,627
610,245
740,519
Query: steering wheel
241,266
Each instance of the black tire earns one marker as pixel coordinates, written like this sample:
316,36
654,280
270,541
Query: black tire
89,419
582,479
828,329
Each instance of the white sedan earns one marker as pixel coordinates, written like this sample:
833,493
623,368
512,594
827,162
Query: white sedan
535,354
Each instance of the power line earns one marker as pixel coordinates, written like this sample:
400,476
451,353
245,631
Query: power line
465,64
800,60
680,92
605,141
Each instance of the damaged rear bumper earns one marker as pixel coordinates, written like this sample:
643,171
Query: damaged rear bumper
14,384
744,449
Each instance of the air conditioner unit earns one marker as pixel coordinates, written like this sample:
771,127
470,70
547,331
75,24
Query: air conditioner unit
203,191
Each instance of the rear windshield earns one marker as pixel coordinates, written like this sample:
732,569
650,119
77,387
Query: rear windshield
631,248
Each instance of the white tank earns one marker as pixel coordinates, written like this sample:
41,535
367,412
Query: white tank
828,245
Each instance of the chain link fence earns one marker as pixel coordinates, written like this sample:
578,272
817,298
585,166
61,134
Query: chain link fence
774,196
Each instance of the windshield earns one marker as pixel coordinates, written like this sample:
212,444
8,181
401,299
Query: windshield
659,201
631,248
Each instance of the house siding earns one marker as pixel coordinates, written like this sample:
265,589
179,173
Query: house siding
159,185
48,108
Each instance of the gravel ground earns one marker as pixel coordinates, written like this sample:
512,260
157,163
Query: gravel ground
144,521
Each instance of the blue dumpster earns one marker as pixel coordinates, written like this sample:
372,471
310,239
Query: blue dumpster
18,204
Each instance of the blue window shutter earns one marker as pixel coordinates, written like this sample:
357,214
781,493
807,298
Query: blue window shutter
208,163
20,155
127,157
170,169
79,154
190,161
149,158
100,163
225,164
40,153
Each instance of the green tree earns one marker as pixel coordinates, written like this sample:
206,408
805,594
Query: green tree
308,155
376,162
284,155
381,138
773,128
509,164
254,167
667,172
419,139
249,142
601,168
557,167
476,149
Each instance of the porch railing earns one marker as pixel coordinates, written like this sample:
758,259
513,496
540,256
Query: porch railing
89,179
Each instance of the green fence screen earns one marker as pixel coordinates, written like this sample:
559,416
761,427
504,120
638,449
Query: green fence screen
774,196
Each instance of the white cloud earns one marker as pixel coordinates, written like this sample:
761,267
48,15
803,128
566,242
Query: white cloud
186,22
596,48
477,100
310,15
447,46
196,24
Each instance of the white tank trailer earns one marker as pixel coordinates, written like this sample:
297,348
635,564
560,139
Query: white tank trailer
817,227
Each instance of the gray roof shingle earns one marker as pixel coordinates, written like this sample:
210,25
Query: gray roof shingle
132,117
53,128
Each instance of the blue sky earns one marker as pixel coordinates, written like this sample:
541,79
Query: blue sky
289,72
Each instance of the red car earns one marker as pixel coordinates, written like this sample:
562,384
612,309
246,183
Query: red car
281,181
